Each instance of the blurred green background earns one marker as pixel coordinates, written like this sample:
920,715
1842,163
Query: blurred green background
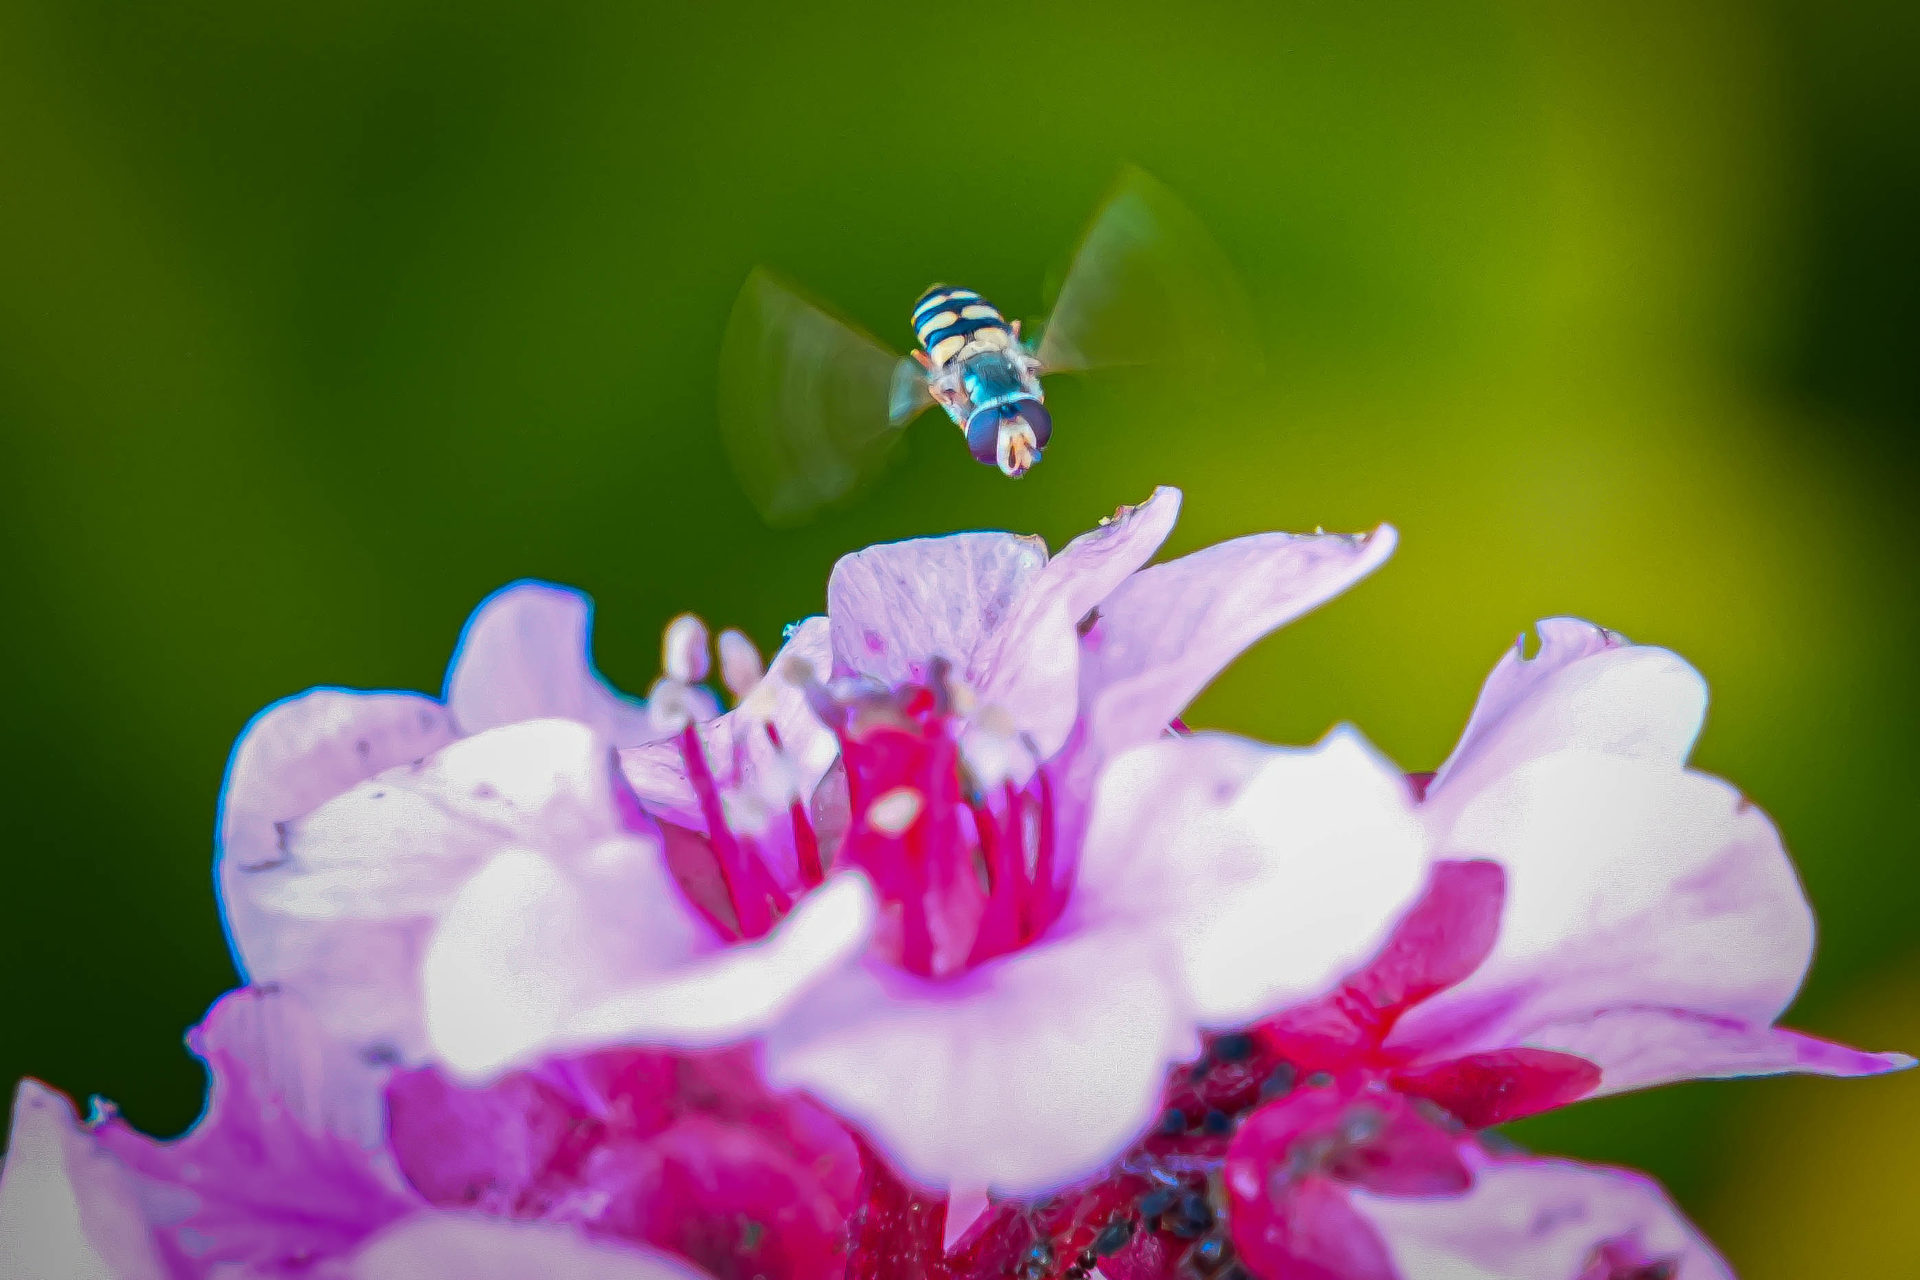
319,322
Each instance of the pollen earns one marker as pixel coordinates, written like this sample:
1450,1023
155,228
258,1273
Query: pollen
892,813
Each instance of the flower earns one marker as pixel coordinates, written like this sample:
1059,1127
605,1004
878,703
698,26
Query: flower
504,898
1598,917
265,1185
1030,972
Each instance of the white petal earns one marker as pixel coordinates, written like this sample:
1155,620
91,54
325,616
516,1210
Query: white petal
1529,1219
68,1210
344,917
1273,872
1629,884
740,989
1021,1075
1587,689
452,1246
527,944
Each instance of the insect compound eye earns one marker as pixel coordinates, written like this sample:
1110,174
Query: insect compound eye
1039,419
983,436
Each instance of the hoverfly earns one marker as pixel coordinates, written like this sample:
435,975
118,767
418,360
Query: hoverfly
811,406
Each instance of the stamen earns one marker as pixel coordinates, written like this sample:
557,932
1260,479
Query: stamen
751,890
894,812
740,665
684,650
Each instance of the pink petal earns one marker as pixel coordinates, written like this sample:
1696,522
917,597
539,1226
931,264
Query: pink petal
685,1152
526,655
1587,689
265,1178
1020,1075
1166,632
1311,1232
68,1209
1629,883
1529,1219
896,607
344,918
1485,1089
1645,1046
1271,872
1441,940
451,1246
993,606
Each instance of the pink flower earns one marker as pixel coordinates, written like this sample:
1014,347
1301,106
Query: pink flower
1031,969
265,1185
1598,917
502,899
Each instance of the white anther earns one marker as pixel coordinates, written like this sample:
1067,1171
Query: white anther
895,811
684,650
670,705
740,664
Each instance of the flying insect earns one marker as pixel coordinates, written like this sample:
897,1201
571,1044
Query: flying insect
811,406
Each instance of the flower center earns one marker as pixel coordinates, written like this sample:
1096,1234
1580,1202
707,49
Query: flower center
959,849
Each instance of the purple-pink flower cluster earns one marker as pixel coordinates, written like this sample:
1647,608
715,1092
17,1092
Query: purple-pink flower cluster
940,948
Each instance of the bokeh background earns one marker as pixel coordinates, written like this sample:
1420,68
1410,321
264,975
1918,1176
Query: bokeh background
319,322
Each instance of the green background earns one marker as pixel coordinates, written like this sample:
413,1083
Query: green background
319,322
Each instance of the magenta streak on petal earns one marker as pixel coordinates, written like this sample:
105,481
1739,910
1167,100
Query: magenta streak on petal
1438,943
749,885
1486,1089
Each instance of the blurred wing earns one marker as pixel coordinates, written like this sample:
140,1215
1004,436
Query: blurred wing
810,406
1148,285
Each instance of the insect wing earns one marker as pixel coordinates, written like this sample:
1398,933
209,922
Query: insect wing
910,393
808,403
1147,284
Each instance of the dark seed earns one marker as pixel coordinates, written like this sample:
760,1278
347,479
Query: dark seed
1280,1083
1319,1080
1233,1048
1174,1122
1192,1217
1217,1122
1113,1237
1155,1203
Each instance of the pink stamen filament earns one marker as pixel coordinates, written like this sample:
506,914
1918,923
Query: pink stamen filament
755,896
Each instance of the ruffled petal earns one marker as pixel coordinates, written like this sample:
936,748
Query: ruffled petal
1166,632
1271,872
1527,1219
1020,1075
1587,689
68,1209
531,962
453,1246
1629,884
1643,1047
271,1174
344,917
994,607
897,607
526,655
296,755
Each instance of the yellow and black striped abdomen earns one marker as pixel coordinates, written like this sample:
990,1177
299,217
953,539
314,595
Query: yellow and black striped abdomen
946,319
